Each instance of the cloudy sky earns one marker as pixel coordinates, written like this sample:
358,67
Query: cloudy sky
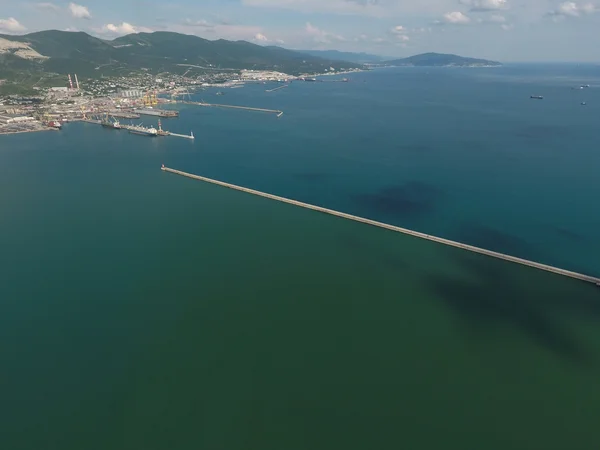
507,30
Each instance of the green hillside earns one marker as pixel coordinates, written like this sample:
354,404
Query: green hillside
441,60
88,56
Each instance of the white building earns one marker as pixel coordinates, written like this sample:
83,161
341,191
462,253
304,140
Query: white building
132,93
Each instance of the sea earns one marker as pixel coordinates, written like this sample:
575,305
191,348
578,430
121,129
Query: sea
143,310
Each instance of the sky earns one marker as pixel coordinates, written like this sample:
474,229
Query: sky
504,30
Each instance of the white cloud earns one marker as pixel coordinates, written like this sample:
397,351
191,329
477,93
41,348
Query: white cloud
46,6
485,5
198,23
589,8
456,17
507,27
400,32
358,7
568,9
11,25
495,18
123,28
321,36
572,9
261,37
79,11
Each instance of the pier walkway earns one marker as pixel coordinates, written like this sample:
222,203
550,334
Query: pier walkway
247,108
417,234
277,88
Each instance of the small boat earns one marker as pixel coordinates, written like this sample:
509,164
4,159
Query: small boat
537,97
583,103
54,124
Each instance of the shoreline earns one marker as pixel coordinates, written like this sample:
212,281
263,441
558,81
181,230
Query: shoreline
3,133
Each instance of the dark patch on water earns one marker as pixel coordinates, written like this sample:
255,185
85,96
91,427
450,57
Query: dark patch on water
311,176
413,198
569,234
495,240
496,298
543,132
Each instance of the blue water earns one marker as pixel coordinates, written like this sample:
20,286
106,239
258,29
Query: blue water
142,310
459,153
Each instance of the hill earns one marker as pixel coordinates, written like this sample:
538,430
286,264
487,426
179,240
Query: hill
77,52
358,58
441,60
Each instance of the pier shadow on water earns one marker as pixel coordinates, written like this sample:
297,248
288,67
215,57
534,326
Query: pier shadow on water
543,132
409,199
496,240
494,296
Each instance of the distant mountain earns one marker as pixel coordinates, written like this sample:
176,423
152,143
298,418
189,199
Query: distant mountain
359,58
77,52
441,60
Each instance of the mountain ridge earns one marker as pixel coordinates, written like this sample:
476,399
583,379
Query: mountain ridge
161,51
432,59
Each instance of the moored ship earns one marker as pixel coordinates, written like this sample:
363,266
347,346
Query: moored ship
138,129
110,123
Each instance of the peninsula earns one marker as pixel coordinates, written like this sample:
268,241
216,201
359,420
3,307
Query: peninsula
441,60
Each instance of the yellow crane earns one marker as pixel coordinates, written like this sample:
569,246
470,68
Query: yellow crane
150,99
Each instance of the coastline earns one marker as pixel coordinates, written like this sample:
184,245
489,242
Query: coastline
6,133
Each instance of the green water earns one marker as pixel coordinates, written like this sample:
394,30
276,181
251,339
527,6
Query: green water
143,310
229,321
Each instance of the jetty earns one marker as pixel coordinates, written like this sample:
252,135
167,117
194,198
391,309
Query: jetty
277,88
448,242
185,136
247,108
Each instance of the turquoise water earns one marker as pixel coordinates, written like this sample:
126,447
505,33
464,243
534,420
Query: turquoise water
144,310
463,154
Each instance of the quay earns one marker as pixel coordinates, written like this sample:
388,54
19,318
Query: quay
125,115
247,108
471,248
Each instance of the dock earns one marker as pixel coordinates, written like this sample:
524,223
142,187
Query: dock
247,108
471,248
125,115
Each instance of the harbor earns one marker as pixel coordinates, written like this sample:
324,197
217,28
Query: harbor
138,129
439,240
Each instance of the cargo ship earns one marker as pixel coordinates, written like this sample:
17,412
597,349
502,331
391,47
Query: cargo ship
110,124
138,129
537,97
54,124
156,112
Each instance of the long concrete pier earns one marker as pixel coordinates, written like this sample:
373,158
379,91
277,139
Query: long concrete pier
247,108
277,88
471,248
